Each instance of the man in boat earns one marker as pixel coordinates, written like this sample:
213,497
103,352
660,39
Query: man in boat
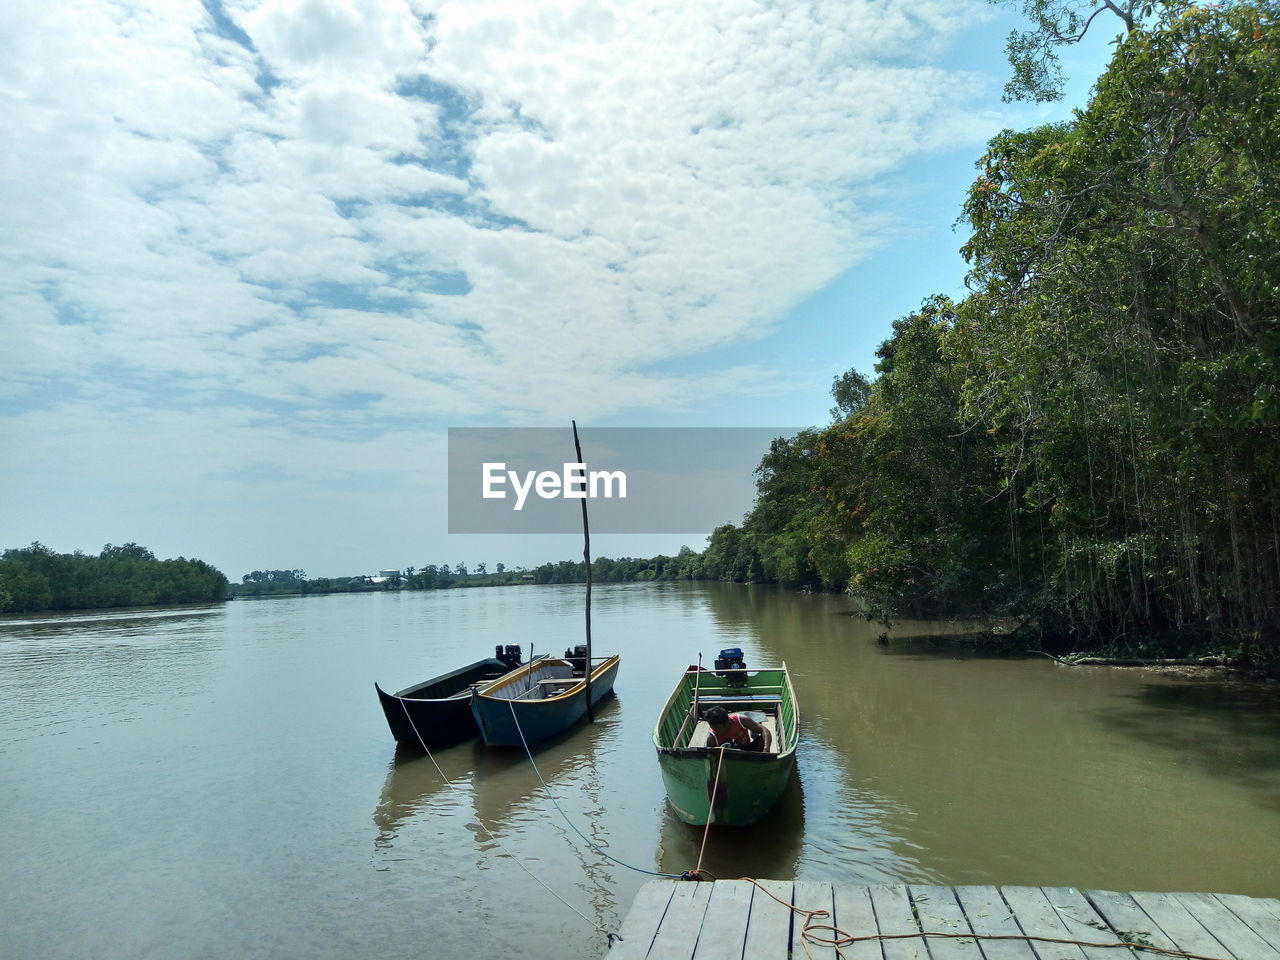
736,730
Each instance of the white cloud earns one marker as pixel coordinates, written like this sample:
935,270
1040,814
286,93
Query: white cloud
441,208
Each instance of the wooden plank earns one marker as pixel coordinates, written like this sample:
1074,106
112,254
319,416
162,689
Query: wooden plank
678,935
855,916
735,920
988,914
1037,918
939,912
893,915
812,895
769,928
643,919
1262,916
1178,924
1083,922
1123,915
724,928
1227,928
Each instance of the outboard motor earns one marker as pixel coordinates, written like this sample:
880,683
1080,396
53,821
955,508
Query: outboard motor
731,659
577,656
510,655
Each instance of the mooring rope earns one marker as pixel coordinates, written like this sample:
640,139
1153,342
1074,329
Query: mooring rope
586,839
696,873
839,938
609,934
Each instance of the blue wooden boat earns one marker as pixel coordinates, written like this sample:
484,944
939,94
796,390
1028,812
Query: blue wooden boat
437,712
539,699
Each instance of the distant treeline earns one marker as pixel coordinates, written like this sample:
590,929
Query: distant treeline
686,565
37,578
1090,440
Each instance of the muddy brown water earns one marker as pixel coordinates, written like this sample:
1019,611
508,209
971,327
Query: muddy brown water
220,782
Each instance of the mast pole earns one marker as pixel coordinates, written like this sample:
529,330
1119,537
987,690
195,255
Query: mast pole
586,559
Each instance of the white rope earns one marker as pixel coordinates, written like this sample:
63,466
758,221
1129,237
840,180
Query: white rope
492,837
586,839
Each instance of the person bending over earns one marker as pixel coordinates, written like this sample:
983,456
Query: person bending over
736,730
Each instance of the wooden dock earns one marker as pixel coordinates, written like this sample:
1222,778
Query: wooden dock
735,920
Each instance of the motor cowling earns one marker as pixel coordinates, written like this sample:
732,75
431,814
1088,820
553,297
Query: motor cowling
731,659
577,656
510,655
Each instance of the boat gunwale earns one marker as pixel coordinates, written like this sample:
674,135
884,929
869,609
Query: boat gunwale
407,692
519,673
690,753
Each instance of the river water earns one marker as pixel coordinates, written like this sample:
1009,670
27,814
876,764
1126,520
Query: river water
220,782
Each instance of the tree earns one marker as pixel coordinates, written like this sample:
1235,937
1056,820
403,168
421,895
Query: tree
1033,54
482,568
851,391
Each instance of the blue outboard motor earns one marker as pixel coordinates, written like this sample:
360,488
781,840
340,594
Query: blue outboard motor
731,659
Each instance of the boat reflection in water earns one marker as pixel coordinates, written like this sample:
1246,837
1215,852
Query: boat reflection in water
506,791
500,787
770,848
414,786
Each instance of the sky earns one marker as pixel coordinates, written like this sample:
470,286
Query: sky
259,257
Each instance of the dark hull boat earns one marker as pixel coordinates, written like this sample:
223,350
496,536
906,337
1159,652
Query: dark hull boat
437,712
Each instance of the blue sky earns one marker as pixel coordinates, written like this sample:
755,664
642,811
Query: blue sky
260,256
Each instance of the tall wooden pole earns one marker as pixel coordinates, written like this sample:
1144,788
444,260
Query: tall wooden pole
586,558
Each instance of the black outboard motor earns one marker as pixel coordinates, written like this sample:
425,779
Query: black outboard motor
578,657
509,656
731,659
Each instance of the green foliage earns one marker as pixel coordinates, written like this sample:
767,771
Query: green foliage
1033,54
275,576
1091,438
37,578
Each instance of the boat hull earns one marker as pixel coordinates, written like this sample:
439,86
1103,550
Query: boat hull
747,787
728,787
437,712
536,719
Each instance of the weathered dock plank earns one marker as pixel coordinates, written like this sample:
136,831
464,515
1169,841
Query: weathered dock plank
1262,916
939,912
724,928
1083,922
857,918
893,915
1179,925
677,937
1037,918
989,915
642,921
738,920
769,927
812,895
1124,916
1228,929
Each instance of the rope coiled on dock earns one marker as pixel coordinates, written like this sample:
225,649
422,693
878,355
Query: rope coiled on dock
839,938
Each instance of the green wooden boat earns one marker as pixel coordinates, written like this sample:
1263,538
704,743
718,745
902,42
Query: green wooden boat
731,787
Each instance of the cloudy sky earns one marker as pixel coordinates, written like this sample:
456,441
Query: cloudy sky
258,257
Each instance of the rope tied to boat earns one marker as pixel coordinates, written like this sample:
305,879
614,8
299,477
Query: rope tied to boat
839,938
483,826
572,826
696,872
